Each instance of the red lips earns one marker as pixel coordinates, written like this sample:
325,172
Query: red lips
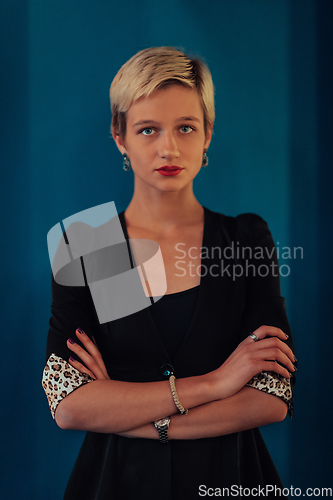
169,169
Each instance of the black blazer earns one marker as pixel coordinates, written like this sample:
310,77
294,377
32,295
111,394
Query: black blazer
239,291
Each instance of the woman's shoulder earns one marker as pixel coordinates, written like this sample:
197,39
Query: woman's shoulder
245,220
245,226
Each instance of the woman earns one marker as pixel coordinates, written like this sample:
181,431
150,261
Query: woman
200,332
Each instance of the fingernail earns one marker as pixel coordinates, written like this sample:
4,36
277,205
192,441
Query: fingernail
295,359
71,341
287,336
294,367
71,359
80,331
291,374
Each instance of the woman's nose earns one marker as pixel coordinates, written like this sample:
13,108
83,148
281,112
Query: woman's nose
168,147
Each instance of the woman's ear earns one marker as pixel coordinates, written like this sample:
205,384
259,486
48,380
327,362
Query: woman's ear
119,142
208,135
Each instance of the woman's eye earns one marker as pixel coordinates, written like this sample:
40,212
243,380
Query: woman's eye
186,129
147,131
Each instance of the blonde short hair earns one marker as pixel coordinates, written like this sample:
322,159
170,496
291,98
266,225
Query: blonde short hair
155,68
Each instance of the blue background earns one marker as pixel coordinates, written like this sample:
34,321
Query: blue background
271,62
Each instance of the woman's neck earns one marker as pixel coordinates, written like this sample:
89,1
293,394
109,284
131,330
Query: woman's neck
164,212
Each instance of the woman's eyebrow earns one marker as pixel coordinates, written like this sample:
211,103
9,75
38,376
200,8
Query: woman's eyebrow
181,119
144,122
188,119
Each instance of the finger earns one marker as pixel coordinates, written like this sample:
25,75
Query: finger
272,366
264,354
79,366
86,358
273,342
92,349
89,344
275,354
264,331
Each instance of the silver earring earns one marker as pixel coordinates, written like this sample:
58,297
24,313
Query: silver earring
126,163
205,159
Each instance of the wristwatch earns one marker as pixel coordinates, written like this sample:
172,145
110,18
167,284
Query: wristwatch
162,426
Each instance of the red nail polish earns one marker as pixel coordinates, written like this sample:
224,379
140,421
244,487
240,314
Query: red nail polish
71,341
80,331
71,358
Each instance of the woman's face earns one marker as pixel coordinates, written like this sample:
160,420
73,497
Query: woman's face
165,129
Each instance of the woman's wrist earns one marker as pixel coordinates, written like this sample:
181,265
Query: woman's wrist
212,386
198,390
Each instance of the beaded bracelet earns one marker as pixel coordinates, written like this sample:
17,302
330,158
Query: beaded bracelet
181,408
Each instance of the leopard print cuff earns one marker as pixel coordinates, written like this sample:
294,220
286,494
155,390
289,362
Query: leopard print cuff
275,384
60,379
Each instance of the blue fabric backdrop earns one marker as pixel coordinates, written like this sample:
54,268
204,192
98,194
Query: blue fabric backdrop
271,154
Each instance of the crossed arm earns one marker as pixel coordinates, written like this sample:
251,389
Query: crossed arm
219,402
245,410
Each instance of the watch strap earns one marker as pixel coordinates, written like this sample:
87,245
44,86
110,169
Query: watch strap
163,430
163,433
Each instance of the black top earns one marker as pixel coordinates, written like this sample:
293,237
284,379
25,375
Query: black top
234,298
172,315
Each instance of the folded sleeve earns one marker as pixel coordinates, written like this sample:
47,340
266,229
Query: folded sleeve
275,384
60,379
72,308
264,303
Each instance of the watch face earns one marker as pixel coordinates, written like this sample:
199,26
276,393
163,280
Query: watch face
162,421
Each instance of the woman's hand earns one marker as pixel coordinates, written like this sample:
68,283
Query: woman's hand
251,357
91,357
